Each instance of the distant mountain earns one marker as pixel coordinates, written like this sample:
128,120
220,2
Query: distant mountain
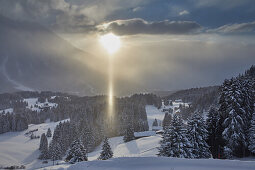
163,93
34,58
189,95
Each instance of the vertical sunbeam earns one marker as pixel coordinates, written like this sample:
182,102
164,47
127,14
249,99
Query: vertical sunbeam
110,88
111,43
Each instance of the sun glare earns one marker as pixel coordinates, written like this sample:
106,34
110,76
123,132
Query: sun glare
110,42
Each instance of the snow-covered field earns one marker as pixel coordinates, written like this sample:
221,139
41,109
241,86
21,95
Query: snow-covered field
34,101
18,149
10,110
146,146
152,114
31,105
158,163
155,113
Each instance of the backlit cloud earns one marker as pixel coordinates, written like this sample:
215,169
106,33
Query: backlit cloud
185,12
140,26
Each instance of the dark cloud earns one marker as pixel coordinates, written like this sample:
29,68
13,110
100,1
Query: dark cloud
59,15
223,4
248,27
140,26
65,15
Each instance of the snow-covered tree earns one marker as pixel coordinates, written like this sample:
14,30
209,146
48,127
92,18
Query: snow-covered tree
212,124
48,133
234,123
164,143
198,136
175,142
167,120
129,133
77,152
251,137
42,141
87,138
106,152
43,147
155,122
55,151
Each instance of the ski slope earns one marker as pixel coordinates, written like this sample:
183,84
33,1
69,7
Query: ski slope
158,163
146,146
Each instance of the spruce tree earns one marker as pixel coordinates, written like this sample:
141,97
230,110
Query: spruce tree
129,133
175,142
212,123
106,152
164,143
167,120
42,141
251,137
77,152
198,136
87,138
234,123
43,147
155,123
55,151
48,133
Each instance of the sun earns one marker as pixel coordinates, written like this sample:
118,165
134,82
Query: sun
110,42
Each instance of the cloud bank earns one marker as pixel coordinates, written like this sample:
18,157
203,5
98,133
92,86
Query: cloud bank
140,26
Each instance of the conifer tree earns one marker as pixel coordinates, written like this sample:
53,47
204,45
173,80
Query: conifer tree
174,141
106,152
43,147
55,151
212,123
129,133
77,152
167,120
87,138
164,143
252,135
155,122
198,136
48,133
234,123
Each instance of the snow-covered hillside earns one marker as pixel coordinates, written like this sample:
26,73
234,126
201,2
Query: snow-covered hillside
159,163
155,113
18,149
34,105
146,146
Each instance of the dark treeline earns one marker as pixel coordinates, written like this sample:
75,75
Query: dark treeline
74,107
22,116
200,99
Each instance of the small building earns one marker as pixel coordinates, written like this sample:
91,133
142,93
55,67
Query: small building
178,101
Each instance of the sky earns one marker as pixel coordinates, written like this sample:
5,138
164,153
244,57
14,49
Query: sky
165,44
